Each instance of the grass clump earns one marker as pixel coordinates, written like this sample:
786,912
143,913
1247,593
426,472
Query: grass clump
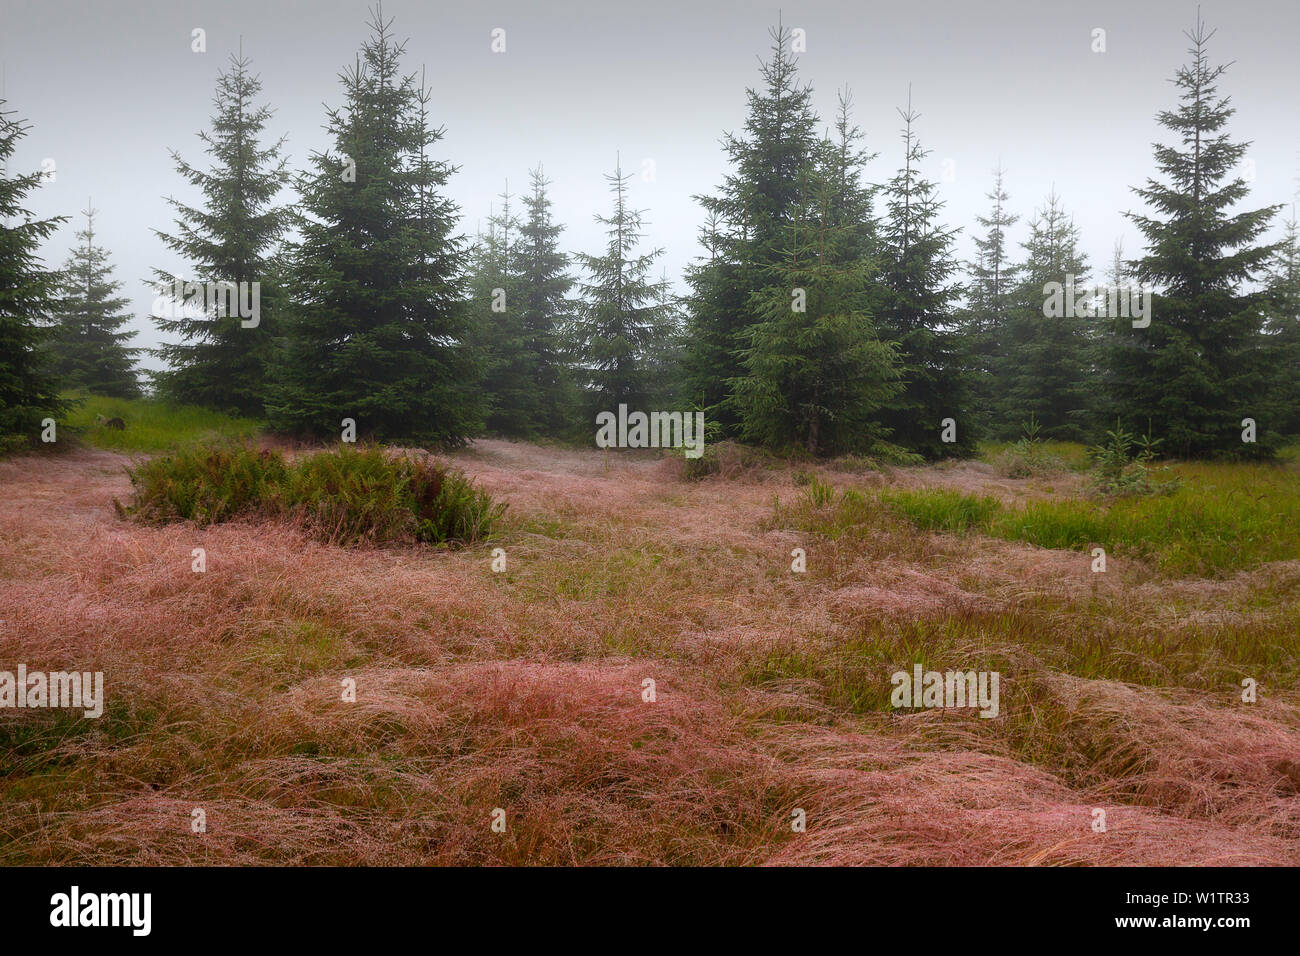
811,511
942,509
817,492
347,496
725,459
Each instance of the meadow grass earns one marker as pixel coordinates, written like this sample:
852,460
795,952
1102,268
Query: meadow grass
1225,517
152,426
1074,454
524,689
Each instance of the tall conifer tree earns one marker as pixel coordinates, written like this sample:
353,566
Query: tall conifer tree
624,315
751,213
224,360
89,349
1045,370
916,311
815,371
1283,329
1195,372
378,333
547,310
993,277
29,296
496,294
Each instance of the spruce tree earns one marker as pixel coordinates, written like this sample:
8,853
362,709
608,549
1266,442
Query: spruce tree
1195,372
378,333
847,200
546,310
1044,373
993,277
1101,339
498,335
1118,275
623,317
815,371
29,296
751,214
1283,329
664,361
915,312
89,349
221,359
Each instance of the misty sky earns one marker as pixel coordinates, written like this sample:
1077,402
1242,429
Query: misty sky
109,87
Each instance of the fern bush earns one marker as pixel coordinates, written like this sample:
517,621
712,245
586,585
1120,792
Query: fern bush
449,507
346,496
725,459
349,496
205,485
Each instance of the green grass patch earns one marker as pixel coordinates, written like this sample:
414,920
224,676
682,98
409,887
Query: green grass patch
151,426
289,655
941,509
854,675
1225,517
1073,455
818,511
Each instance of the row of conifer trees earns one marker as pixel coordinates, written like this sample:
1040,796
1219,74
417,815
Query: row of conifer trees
825,313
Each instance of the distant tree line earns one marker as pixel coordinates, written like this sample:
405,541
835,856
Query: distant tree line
826,313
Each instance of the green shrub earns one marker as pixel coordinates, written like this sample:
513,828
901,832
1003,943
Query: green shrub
1029,457
1122,465
450,507
350,495
344,496
886,453
11,444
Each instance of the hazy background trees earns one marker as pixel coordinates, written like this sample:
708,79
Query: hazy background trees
826,313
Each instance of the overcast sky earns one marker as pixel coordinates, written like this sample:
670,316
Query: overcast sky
109,87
